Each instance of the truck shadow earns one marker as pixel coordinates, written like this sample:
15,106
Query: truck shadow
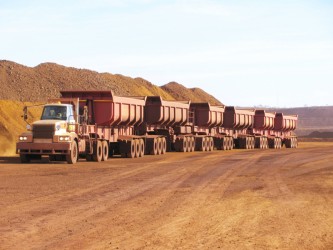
16,160
9,160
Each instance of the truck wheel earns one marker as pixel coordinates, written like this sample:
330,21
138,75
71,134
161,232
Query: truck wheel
105,149
132,152
159,146
185,145
224,143
231,141
98,151
142,148
25,158
71,158
163,145
137,148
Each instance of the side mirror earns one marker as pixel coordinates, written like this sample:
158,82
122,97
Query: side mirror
28,127
25,113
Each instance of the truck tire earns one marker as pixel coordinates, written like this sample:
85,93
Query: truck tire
231,141
210,144
25,158
137,148
105,150
159,146
192,144
164,146
72,157
132,152
184,145
98,151
142,148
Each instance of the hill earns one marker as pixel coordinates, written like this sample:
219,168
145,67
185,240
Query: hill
312,119
44,81
179,92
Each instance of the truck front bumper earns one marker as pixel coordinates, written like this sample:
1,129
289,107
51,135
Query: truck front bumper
43,148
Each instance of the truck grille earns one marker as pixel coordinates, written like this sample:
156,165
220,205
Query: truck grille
43,131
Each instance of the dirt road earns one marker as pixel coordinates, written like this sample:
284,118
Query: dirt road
255,199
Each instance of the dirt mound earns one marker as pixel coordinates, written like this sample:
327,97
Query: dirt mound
12,124
179,92
45,80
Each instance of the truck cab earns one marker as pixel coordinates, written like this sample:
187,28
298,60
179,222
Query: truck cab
54,135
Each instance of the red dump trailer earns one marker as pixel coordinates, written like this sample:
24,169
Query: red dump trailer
238,123
171,120
284,126
263,130
208,121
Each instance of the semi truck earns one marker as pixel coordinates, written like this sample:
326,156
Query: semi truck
98,124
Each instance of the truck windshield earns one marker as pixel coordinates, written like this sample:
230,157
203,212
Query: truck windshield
54,113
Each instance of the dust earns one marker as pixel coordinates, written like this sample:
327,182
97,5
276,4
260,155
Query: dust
7,147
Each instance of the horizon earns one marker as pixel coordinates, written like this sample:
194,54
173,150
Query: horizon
259,54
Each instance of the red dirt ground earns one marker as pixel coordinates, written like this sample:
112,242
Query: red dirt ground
255,199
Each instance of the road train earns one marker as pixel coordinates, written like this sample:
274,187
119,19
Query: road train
98,124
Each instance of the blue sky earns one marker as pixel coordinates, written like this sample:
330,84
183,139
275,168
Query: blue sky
248,53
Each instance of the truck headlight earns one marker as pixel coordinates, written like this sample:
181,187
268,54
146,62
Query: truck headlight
25,138
64,138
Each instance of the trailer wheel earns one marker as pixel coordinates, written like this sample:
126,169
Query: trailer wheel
132,152
98,151
228,143
72,157
192,144
210,144
164,146
25,158
159,146
142,148
137,148
105,149
266,143
203,144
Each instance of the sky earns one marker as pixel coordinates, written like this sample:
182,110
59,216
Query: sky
245,53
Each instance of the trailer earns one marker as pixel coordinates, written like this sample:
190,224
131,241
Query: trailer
208,121
284,126
263,130
238,123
